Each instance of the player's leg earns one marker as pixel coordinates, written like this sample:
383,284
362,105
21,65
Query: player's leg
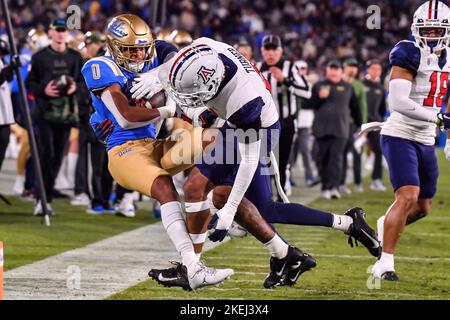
287,262
150,179
403,162
351,222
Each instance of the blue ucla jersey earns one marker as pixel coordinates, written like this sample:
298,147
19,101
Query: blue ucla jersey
102,72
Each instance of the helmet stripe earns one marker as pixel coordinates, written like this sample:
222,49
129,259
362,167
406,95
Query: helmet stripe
430,5
185,58
436,9
182,56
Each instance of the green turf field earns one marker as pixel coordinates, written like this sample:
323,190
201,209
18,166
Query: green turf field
422,260
26,240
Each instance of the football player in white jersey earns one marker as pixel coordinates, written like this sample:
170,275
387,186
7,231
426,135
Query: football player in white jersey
214,74
417,86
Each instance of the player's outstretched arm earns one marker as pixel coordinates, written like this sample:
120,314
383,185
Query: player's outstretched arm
249,151
129,117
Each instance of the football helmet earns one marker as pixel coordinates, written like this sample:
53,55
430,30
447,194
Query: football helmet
431,15
180,38
193,75
125,33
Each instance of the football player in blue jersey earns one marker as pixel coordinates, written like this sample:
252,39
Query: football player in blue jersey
137,160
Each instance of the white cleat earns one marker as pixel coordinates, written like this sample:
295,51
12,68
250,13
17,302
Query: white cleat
39,211
81,199
326,194
126,207
380,229
384,272
343,189
237,231
19,185
359,188
377,185
335,194
205,276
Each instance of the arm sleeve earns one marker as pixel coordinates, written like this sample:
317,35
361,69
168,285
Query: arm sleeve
399,101
355,109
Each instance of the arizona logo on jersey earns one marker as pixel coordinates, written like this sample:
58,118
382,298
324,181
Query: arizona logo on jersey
206,74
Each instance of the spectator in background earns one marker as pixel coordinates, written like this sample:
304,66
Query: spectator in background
6,108
304,141
334,102
56,105
350,74
244,48
286,85
376,103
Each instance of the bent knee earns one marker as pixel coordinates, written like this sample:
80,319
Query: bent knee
220,196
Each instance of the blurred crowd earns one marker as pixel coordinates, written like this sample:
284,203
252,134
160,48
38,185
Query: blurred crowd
327,42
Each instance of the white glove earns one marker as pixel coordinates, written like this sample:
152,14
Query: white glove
447,149
226,217
169,110
146,85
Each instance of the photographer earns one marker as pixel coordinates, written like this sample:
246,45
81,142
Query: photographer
53,80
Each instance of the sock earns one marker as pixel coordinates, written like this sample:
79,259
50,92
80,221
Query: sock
387,259
341,222
277,247
72,159
380,229
173,222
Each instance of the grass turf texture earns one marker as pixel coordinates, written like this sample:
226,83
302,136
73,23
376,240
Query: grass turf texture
26,240
422,258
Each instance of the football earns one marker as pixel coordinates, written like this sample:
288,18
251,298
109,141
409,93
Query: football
63,83
157,100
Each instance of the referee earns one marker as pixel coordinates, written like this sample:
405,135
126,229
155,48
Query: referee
286,85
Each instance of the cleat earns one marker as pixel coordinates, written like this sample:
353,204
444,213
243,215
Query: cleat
384,272
171,277
237,231
362,232
286,271
205,276
96,210
390,276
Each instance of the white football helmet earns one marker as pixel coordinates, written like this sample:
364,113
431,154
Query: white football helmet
432,14
193,76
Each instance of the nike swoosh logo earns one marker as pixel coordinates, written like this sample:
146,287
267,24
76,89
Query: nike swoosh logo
162,278
375,242
281,271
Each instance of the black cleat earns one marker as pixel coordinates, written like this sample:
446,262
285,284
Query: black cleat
390,276
286,271
172,277
362,232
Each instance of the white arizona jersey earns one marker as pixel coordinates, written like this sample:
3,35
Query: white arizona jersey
429,87
242,86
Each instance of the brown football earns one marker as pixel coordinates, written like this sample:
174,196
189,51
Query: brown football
158,99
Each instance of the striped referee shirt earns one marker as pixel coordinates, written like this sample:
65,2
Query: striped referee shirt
285,94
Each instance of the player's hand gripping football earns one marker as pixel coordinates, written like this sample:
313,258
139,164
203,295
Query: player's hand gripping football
221,222
146,85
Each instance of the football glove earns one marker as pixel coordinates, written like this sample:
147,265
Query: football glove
103,130
444,120
146,85
199,117
221,222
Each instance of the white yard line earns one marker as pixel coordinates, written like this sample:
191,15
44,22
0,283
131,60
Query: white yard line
104,268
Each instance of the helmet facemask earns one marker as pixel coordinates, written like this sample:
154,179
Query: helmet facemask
120,52
435,43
